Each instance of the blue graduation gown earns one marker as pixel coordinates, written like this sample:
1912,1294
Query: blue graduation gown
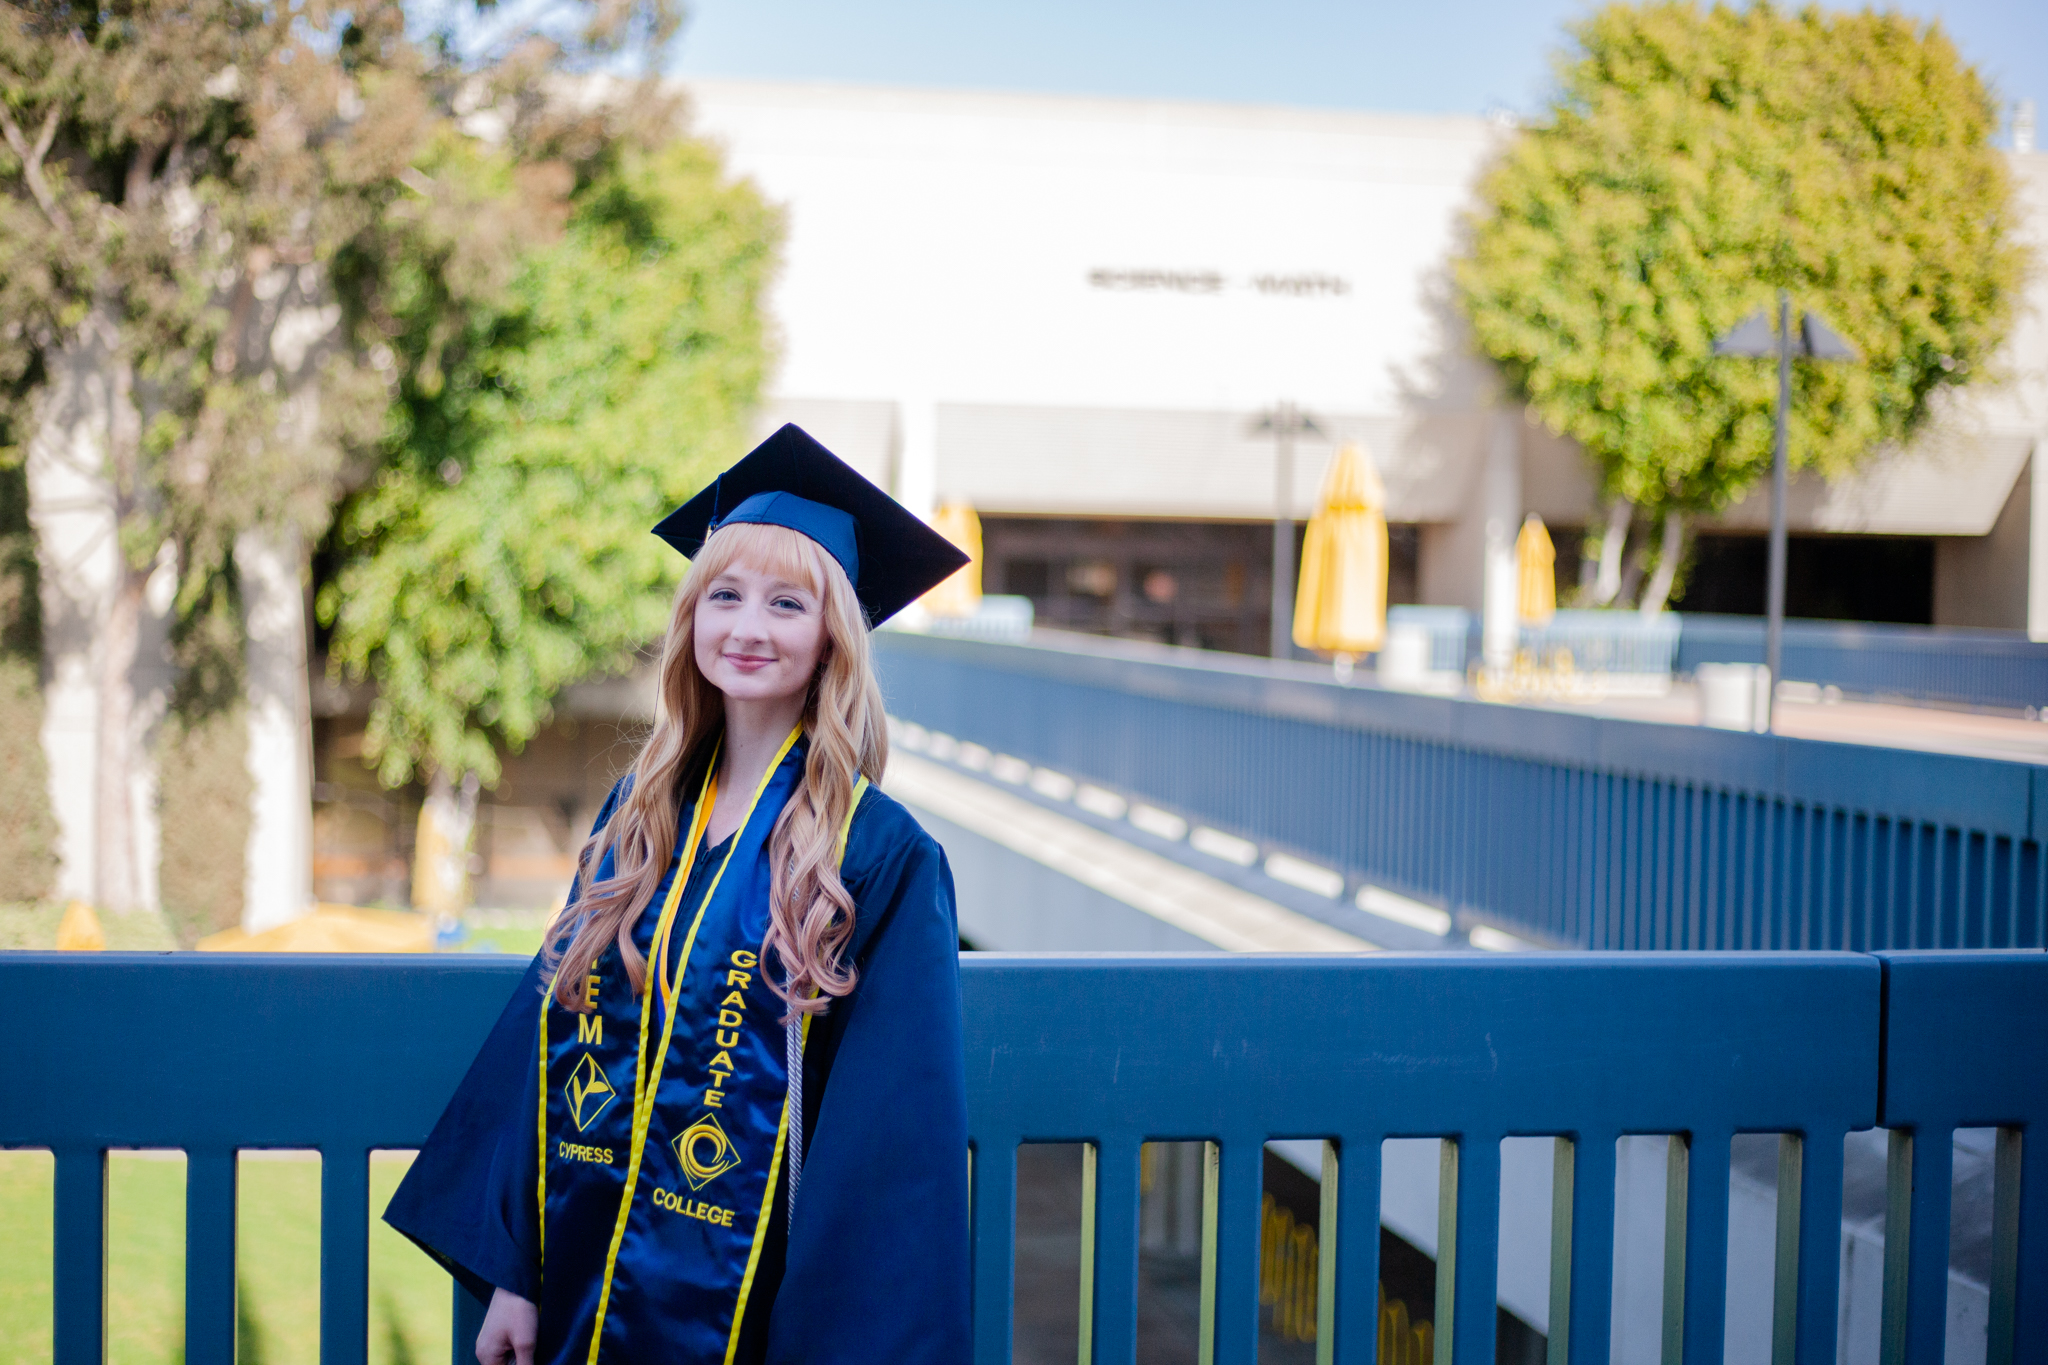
876,1268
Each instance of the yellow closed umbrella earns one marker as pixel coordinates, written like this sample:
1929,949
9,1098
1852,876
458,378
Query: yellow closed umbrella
79,931
1535,573
1340,607
959,595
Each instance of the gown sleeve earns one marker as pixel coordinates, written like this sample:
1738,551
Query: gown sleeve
469,1199
876,1266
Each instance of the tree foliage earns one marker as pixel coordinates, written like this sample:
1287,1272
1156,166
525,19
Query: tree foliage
224,190
176,176
1696,161
503,551
221,232
181,174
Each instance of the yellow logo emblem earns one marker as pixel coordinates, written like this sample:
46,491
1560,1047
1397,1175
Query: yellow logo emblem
705,1152
588,1092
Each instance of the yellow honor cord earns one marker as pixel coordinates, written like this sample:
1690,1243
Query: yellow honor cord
649,1082
700,821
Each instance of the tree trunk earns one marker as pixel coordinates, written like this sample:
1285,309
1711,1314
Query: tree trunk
70,508
117,880
1658,590
93,614
278,886
440,858
1607,584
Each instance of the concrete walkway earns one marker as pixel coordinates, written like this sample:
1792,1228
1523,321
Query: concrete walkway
1203,907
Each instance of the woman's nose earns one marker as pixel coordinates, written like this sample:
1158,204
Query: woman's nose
750,622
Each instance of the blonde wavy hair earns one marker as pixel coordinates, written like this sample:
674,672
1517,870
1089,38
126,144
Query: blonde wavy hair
810,919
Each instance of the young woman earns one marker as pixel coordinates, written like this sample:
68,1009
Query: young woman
723,1119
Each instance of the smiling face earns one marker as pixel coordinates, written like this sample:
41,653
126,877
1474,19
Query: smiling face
759,634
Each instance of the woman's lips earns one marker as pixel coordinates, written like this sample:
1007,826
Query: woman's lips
748,663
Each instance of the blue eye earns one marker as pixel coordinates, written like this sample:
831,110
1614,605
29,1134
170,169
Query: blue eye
723,595
789,604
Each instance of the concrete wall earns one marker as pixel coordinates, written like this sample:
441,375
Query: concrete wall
1985,580
1068,306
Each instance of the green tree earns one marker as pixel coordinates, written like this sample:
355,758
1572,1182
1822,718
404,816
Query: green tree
175,173
1695,161
503,551
211,214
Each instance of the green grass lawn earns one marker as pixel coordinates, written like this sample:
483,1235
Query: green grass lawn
33,925
278,1236
524,942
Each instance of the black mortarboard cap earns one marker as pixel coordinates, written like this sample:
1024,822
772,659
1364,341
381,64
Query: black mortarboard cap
790,480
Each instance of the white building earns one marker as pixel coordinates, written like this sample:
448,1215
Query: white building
1068,311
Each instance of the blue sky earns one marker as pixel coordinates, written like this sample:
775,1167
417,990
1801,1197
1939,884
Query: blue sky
1448,57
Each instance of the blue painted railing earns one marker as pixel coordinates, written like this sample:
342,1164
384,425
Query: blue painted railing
347,1055
1995,668
1941,1008
1950,664
1578,830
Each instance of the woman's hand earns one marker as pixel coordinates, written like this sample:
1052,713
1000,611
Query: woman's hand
509,1327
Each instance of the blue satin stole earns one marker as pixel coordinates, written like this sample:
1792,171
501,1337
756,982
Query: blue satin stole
655,1201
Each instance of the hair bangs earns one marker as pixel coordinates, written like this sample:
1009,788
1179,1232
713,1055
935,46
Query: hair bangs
776,551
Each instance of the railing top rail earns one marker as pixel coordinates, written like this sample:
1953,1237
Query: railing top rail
1991,1007
148,1050
223,1051
1883,634
1421,1044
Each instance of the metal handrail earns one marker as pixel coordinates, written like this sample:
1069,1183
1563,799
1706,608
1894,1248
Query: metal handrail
1951,664
347,1055
1576,829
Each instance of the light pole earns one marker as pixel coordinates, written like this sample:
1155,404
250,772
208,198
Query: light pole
1816,341
1283,424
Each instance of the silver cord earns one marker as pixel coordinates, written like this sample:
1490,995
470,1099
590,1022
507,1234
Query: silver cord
793,1056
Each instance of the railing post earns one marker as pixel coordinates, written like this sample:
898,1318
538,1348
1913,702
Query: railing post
1351,1265
1467,1249
468,1321
1090,1153
1582,1250
1918,1175
1696,1248
1205,1321
1109,1326
344,1255
1805,1297
1233,1180
1563,1173
211,1180
1787,1267
994,1218
80,1269
2019,1249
